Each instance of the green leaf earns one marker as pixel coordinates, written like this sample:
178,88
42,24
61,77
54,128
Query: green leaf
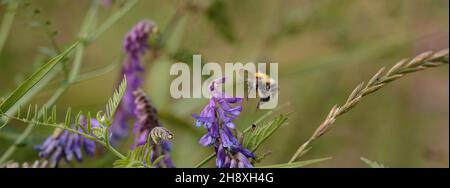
77,120
254,138
7,21
296,164
157,160
372,164
114,101
136,158
88,122
217,13
53,115
19,92
98,132
28,112
67,119
3,122
112,19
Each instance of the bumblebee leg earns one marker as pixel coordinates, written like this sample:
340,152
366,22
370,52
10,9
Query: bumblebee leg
265,99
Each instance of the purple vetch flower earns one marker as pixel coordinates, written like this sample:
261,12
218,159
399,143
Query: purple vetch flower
66,145
135,45
147,119
236,157
217,118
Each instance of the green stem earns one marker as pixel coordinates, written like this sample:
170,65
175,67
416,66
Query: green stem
113,19
7,22
296,164
87,75
87,26
96,73
114,151
204,161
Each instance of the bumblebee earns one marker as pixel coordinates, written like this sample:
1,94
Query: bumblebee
266,86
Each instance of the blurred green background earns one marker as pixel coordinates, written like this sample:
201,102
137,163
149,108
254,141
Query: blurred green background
324,49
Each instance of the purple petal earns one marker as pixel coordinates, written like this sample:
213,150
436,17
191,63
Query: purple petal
68,149
77,151
89,147
231,137
230,125
166,146
233,163
247,153
226,141
203,119
141,139
198,123
243,161
48,149
213,130
223,116
227,162
168,161
221,155
56,156
233,100
206,140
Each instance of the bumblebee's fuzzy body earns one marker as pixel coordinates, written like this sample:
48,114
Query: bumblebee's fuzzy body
264,84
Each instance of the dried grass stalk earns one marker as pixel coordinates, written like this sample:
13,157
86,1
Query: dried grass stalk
379,80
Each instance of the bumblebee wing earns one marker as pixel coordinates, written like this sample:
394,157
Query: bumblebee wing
274,89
